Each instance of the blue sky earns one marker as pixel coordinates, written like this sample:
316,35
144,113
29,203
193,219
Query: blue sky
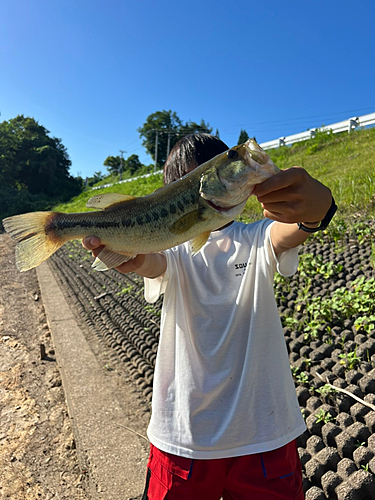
92,71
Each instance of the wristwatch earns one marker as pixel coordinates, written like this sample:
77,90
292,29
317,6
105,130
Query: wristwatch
323,223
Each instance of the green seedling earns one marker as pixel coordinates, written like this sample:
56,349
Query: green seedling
350,359
342,341
294,370
372,255
323,416
326,390
302,378
307,362
126,289
365,323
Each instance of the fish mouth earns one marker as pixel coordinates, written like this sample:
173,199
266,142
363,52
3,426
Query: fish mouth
219,208
227,211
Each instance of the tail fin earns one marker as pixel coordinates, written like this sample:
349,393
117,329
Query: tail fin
34,244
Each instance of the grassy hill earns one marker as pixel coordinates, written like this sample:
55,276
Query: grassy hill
344,162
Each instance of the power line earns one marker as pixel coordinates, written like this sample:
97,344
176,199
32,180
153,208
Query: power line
270,122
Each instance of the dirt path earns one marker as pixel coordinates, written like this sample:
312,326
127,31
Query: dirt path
37,451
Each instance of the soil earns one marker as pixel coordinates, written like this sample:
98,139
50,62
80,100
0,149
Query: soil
38,459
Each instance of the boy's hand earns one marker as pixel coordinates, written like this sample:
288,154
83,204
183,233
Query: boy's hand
93,243
149,265
292,196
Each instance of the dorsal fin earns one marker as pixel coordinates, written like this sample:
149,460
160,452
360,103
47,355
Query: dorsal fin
106,200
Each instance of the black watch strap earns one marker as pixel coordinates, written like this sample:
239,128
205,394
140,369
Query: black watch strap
324,222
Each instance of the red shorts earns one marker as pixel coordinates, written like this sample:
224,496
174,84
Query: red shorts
273,475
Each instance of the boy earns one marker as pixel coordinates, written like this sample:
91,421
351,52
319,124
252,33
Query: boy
225,415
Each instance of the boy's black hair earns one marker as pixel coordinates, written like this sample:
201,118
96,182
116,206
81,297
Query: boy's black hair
190,152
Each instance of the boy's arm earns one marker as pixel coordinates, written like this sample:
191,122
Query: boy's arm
149,265
289,197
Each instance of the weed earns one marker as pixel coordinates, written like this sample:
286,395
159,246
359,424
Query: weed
152,310
312,330
342,341
302,378
307,361
294,370
290,322
372,256
126,289
363,231
344,303
365,323
326,390
350,359
323,416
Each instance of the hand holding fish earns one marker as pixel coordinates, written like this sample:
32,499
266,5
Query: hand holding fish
148,265
293,196
93,243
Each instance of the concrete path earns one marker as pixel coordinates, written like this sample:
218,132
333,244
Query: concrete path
114,458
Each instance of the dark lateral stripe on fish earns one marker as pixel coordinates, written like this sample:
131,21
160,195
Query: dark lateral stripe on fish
69,224
127,223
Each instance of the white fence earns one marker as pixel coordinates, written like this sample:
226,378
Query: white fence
128,180
346,125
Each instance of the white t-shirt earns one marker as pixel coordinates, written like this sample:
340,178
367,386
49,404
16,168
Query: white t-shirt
222,384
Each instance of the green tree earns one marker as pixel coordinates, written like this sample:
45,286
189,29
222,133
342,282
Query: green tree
113,164
195,128
97,177
244,136
133,164
163,123
34,167
169,128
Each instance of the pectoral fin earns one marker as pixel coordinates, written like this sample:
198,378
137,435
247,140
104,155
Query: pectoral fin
185,223
107,260
199,241
107,200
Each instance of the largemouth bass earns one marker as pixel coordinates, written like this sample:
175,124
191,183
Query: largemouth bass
190,208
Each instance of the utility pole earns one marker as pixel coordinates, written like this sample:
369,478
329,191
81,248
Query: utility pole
169,143
122,157
156,150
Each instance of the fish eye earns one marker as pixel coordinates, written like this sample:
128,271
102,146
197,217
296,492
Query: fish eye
232,153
